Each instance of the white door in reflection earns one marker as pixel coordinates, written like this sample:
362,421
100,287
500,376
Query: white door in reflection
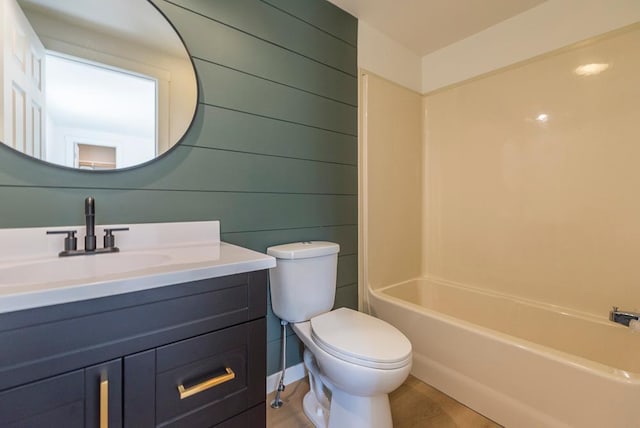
21,84
91,105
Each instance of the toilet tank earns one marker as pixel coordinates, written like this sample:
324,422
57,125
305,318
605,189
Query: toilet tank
303,283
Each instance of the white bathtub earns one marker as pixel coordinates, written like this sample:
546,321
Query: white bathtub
519,363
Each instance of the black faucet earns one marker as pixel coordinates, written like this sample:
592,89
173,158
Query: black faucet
70,242
90,220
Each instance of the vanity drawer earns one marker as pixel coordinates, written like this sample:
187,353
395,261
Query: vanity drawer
255,417
220,374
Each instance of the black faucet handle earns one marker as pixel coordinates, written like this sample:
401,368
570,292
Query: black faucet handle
70,242
109,239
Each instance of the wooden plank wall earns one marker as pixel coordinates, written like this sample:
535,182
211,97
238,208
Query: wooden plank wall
272,152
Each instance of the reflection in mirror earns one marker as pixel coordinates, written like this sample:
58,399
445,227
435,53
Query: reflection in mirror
92,84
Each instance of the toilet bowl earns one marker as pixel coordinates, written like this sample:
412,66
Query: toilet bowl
354,360
359,379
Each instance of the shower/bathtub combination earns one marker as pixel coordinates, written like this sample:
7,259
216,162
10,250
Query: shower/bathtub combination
522,364
499,225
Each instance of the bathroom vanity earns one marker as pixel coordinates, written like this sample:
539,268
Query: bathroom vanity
180,342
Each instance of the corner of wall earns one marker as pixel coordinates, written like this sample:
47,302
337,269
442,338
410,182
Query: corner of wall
385,57
547,27
425,238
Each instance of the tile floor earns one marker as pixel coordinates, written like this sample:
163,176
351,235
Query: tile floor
413,405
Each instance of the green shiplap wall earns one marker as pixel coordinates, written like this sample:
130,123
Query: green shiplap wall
272,152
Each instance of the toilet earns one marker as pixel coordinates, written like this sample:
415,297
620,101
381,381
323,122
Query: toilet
354,360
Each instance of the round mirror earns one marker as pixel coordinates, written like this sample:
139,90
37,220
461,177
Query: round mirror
93,84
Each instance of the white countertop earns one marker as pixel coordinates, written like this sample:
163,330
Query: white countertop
151,255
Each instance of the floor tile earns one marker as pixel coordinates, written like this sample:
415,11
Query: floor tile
413,405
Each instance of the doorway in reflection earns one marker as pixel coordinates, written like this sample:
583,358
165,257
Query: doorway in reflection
96,112
94,157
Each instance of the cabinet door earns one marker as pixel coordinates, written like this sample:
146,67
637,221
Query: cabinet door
54,402
140,390
103,395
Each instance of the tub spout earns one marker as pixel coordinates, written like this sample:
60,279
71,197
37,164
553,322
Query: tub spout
622,317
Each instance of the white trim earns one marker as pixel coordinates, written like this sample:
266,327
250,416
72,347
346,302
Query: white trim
363,189
292,374
104,59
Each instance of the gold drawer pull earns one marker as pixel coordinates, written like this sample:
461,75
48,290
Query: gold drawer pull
196,389
104,404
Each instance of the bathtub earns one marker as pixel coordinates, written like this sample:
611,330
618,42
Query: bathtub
520,363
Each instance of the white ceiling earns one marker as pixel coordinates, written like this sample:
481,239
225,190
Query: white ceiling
138,21
424,26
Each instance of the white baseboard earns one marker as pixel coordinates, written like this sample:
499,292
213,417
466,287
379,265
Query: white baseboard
292,374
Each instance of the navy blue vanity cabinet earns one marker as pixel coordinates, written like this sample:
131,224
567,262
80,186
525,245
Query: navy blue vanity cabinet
186,355
76,399
56,401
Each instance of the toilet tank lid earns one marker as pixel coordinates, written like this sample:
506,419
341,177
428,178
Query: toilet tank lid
303,250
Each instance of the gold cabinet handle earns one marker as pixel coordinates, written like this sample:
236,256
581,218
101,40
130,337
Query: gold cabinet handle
196,389
104,404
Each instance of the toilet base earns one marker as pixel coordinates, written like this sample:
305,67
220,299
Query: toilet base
359,412
316,413
348,411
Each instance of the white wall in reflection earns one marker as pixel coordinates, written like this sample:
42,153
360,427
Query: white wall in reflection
95,105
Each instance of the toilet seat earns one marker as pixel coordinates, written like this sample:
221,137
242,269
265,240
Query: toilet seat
361,339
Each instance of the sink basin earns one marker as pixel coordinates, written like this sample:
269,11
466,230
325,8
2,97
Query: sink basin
152,255
78,268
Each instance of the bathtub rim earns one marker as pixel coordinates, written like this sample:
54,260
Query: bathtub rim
575,361
587,316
